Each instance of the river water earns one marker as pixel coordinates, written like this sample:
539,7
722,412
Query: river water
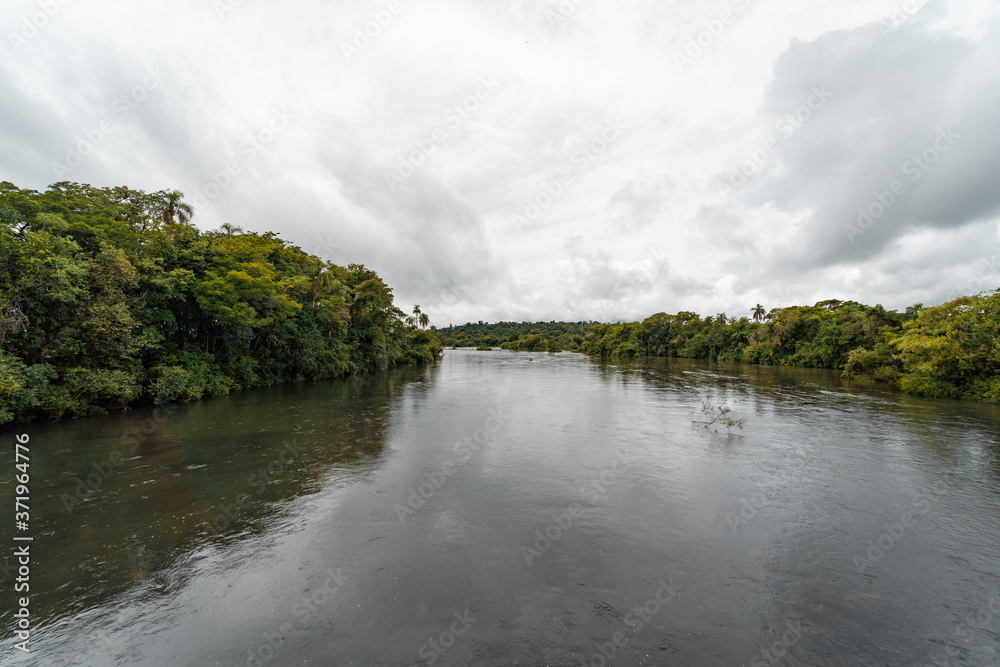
518,509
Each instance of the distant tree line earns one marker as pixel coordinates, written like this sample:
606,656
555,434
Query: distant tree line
947,351
110,297
518,336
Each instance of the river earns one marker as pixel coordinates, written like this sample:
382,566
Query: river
518,509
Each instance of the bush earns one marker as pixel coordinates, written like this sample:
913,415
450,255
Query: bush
22,388
175,385
873,365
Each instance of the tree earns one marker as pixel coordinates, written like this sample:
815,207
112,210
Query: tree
424,320
323,280
174,208
109,296
758,313
952,350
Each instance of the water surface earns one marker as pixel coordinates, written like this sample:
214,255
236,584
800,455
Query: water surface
520,509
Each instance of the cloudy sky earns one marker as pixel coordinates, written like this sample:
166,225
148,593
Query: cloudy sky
570,160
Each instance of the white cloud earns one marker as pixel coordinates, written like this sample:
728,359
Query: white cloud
636,227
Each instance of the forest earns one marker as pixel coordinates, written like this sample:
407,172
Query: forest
112,297
946,351
517,336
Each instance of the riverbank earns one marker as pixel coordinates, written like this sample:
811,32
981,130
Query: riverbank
112,298
947,351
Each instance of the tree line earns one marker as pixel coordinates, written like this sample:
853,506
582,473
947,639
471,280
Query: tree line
111,297
946,351
519,336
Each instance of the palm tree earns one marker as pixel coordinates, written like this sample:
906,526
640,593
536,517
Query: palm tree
424,320
323,281
173,208
758,313
416,313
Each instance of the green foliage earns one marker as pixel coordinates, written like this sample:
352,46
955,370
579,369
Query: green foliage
818,336
110,296
953,350
23,389
423,346
874,365
620,341
517,336
949,351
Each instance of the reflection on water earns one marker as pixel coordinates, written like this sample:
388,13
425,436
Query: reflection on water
507,508
119,499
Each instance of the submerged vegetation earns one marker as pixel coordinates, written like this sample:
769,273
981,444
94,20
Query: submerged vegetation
110,296
720,415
